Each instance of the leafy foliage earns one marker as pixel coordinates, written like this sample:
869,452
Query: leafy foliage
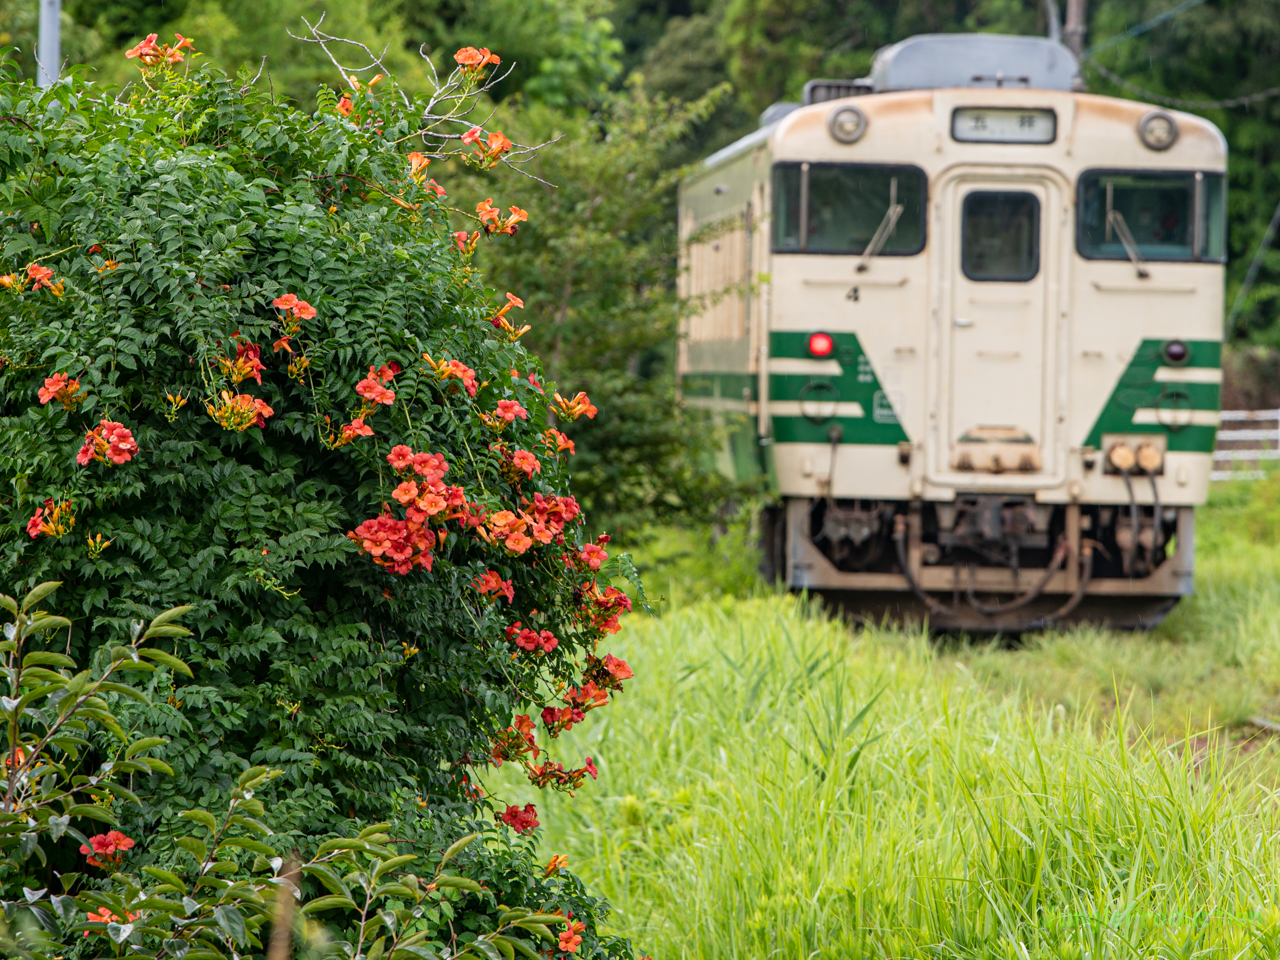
364,639
230,883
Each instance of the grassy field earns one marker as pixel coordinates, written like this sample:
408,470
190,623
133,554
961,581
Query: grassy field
775,785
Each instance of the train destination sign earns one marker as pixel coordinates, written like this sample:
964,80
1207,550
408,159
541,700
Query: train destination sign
1004,125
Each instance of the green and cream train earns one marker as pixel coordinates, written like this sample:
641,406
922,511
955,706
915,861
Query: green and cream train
967,318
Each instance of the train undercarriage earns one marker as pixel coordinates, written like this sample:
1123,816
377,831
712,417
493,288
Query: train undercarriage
985,562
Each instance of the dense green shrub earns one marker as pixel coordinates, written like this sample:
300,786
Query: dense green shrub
232,884
227,328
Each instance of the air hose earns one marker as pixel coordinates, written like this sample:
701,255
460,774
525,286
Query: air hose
1055,564
1157,524
942,610
1130,553
1086,575
900,542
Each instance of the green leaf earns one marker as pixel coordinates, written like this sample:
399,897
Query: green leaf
340,843
9,603
167,877
231,922
392,864
47,658
244,843
202,817
166,660
457,847
458,883
146,743
504,945
328,903
252,777
170,631
524,949
332,882
171,614
372,829
194,847
39,593
539,929
93,812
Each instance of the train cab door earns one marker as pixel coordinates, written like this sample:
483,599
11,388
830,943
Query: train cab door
997,300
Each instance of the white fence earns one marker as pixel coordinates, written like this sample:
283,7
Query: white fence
1243,450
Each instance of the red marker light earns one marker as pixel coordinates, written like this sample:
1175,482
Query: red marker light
821,344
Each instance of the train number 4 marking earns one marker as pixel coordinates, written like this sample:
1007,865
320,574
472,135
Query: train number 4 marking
852,294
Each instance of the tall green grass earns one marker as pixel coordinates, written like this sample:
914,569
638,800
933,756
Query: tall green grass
773,786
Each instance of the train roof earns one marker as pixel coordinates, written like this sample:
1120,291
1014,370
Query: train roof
933,61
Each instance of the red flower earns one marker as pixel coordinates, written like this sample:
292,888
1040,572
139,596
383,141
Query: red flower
470,137
107,441
508,410
35,523
492,582
406,492
62,388
617,668
526,461
514,300
498,143
356,428
469,58
41,276
304,310
461,239
556,864
572,409
374,392
400,457
571,939
522,821
344,105
518,543
110,846
286,302
590,766
593,555
143,49
432,466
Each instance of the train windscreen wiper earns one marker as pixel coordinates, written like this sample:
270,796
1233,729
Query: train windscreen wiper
885,230
1115,221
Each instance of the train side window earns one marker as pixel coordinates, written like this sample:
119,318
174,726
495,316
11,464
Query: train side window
1167,215
1000,236
837,208
786,207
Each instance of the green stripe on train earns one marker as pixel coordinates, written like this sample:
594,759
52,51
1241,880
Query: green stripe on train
857,383
1138,389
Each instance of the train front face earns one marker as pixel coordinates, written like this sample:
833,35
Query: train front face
993,353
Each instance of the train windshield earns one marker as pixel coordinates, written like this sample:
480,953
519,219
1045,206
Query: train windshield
840,207
1164,216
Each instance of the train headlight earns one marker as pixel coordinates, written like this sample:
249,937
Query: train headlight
1176,353
821,345
1158,130
847,124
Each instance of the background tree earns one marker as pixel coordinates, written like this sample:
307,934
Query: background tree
596,268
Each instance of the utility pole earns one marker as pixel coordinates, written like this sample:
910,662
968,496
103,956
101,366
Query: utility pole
49,49
1074,32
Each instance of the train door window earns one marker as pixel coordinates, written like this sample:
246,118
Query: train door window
1000,236
839,208
1165,216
